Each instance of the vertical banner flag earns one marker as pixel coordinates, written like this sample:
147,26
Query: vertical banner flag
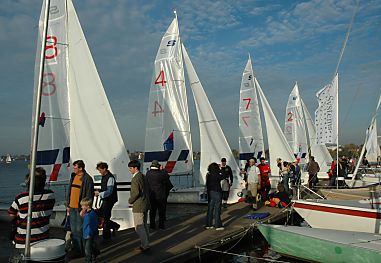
327,113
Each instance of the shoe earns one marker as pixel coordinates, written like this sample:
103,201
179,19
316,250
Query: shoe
209,227
225,205
161,227
115,229
142,249
220,228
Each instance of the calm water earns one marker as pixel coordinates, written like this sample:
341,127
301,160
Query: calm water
255,246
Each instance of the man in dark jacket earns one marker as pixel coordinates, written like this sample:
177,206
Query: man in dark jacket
109,196
81,186
227,182
157,181
312,169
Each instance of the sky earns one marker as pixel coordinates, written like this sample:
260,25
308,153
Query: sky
288,41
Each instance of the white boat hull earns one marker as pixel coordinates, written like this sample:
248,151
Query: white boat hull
340,215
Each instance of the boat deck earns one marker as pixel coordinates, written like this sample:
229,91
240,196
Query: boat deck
349,194
183,234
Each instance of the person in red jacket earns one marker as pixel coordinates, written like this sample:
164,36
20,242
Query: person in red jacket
264,170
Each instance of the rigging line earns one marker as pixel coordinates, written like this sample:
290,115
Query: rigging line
346,37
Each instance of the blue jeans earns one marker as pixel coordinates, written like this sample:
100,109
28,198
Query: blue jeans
76,222
214,209
91,250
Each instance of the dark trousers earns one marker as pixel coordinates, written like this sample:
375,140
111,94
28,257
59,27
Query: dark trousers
160,206
91,250
214,209
108,224
312,181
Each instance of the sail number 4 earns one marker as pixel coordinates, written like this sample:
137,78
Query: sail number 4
160,79
157,108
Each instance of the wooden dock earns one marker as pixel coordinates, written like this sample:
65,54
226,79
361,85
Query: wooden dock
179,241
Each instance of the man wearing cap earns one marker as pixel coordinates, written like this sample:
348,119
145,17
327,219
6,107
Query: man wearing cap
227,182
157,182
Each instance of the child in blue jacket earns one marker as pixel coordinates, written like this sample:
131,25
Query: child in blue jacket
90,230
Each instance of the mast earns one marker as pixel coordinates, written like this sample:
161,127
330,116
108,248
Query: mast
35,130
337,131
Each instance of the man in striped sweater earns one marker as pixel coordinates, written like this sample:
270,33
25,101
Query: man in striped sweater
42,207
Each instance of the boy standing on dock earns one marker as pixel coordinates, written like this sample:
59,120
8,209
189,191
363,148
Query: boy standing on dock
253,181
89,230
139,200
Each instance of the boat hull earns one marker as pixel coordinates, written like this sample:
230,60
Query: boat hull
341,215
322,245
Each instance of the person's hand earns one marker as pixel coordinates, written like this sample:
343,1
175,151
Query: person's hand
96,193
82,213
68,210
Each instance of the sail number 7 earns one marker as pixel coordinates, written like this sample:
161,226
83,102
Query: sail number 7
248,100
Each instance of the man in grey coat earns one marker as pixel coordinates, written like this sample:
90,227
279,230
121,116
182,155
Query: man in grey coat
139,200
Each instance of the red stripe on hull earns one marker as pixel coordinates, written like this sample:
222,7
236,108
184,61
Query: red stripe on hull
341,211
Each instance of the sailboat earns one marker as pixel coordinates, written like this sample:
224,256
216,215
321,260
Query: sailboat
277,143
298,123
294,127
251,142
8,159
75,117
168,136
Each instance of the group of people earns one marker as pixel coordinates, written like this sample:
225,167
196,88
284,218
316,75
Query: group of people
147,193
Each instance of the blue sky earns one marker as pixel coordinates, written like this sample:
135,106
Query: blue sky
288,40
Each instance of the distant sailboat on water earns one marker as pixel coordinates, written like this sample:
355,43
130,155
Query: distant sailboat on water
8,159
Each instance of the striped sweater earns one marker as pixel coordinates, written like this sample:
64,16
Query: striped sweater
41,211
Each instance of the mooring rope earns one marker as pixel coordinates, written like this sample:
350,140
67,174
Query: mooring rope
238,255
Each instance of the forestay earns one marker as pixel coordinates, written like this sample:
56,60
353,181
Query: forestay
278,145
294,127
213,142
53,149
250,128
168,137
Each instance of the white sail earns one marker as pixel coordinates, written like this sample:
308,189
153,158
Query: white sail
372,147
326,115
294,127
53,149
278,145
8,159
94,134
212,139
168,137
319,151
250,128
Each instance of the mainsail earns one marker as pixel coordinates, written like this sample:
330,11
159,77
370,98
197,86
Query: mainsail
168,137
294,128
76,118
212,139
53,149
278,145
326,115
250,127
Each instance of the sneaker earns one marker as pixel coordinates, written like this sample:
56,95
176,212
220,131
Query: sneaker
209,227
220,228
